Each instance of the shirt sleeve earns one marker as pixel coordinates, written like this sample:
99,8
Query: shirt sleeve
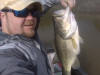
50,3
47,4
11,65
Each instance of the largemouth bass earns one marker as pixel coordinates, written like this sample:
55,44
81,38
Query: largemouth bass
66,38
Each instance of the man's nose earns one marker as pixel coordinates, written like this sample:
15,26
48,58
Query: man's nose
29,16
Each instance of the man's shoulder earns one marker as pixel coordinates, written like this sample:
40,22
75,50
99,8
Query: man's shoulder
9,49
17,45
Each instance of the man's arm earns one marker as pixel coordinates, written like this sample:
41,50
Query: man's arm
49,3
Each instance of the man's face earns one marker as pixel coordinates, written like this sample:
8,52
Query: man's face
18,25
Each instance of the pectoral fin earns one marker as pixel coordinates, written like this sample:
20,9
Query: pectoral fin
74,43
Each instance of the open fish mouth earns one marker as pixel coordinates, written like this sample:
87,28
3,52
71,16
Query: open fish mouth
64,23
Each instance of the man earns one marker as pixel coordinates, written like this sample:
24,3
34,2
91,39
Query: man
21,52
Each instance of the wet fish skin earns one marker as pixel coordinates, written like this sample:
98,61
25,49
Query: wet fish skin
67,45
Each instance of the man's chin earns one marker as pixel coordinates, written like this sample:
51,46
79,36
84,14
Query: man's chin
29,34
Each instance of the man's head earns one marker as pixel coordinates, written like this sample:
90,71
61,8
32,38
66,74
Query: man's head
20,16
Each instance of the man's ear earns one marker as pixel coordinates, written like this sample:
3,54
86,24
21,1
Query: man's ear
1,14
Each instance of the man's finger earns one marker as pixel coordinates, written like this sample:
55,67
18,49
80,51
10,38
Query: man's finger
71,3
63,3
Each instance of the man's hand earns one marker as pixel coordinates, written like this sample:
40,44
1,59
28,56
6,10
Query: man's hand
70,3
